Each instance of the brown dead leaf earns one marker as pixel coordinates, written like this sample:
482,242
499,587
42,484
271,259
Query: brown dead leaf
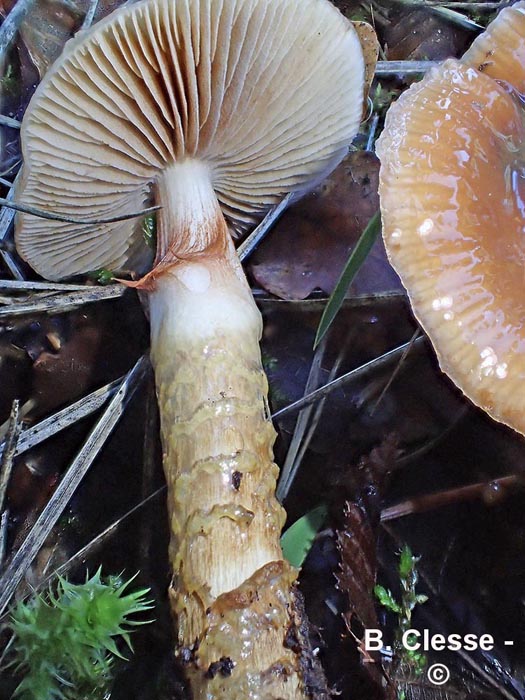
420,35
356,542
46,28
50,23
357,574
97,345
311,243
5,7
370,46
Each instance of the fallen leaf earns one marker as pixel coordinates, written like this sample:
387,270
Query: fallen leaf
46,28
60,377
370,46
421,35
310,245
50,23
356,543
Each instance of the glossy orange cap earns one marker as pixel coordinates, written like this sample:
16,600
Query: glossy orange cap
500,51
452,189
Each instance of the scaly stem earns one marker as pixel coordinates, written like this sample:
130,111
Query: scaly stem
232,593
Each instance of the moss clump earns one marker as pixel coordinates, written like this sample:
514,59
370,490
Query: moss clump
65,642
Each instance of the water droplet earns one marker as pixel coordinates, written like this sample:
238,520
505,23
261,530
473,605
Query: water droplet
426,227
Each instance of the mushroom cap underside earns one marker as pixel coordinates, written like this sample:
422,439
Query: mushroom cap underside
452,194
266,93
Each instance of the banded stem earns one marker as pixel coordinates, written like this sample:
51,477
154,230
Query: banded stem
232,593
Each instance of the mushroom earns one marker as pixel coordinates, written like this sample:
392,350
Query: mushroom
452,195
216,109
500,50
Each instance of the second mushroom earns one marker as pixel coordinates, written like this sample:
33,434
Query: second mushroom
453,209
215,109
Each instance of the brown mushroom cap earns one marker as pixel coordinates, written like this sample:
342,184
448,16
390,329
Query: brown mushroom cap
453,205
267,94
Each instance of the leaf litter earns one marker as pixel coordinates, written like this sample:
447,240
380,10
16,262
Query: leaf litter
310,244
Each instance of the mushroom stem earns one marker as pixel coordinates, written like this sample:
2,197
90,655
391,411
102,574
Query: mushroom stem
190,221
232,593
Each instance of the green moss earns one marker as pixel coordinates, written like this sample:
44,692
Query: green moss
65,642
102,276
9,81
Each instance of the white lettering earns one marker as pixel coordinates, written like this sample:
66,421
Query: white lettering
454,642
486,642
373,640
470,642
437,642
414,640
409,640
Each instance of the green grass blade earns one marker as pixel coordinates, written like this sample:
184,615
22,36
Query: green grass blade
356,259
297,540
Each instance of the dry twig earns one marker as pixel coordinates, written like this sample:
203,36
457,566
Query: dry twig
356,374
69,483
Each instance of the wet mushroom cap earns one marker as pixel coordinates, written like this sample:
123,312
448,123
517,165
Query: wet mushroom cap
500,50
265,94
453,207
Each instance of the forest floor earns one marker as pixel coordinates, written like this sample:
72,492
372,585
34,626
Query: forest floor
395,456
